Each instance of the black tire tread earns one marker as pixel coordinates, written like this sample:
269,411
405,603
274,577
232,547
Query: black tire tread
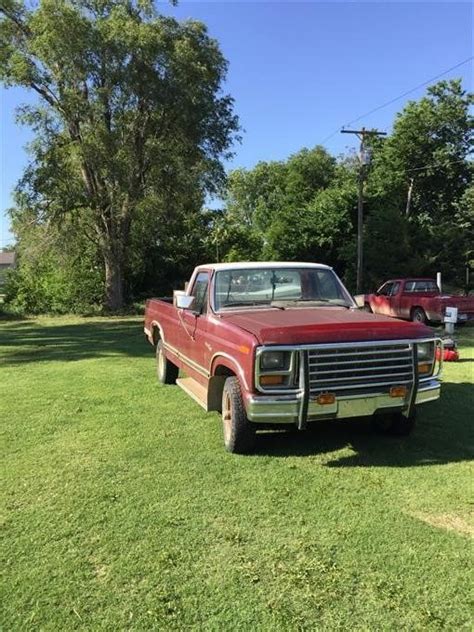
395,424
171,371
243,438
418,310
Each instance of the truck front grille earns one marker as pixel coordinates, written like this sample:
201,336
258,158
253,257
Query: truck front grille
359,367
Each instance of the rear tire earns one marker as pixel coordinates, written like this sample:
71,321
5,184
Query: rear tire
418,315
395,424
166,371
239,433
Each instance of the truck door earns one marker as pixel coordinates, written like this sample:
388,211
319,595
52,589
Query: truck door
193,326
382,299
394,300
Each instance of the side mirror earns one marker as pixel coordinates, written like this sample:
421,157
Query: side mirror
182,300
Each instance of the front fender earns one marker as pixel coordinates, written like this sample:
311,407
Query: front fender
223,359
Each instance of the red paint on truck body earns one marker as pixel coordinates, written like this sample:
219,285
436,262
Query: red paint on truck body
202,344
399,298
321,325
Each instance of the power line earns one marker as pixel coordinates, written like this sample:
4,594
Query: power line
421,85
432,165
438,164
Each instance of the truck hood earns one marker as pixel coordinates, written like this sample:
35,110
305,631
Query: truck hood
322,325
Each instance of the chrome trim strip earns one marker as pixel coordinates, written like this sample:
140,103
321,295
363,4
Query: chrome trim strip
304,382
359,361
359,350
339,345
375,368
414,386
359,377
287,410
349,387
194,365
434,384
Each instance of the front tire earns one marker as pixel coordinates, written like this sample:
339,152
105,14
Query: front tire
239,434
395,424
166,371
418,315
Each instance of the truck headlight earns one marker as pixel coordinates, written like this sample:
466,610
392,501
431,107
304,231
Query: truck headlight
426,351
426,357
274,360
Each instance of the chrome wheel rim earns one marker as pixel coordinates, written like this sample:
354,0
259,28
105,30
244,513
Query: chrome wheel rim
161,364
227,418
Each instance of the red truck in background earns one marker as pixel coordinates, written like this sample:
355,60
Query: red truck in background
418,300
273,343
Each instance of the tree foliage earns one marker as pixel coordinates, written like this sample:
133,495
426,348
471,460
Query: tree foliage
130,118
306,207
130,132
427,153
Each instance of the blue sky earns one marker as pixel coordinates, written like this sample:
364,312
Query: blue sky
300,70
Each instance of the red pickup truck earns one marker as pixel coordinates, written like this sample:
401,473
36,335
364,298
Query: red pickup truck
284,343
418,300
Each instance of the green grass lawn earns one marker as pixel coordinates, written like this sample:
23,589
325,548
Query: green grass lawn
121,509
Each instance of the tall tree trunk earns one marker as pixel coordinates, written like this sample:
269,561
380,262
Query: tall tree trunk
114,282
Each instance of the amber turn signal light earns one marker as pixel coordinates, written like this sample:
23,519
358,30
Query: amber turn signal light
271,380
424,367
398,391
326,398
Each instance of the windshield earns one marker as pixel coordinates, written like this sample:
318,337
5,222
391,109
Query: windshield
279,286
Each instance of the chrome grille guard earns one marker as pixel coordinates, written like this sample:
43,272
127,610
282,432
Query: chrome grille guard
354,368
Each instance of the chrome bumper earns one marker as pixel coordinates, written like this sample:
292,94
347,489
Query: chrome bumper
287,409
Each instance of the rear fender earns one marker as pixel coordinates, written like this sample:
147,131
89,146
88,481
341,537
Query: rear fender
155,333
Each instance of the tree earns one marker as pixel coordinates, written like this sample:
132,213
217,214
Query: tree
419,174
321,229
58,270
263,205
130,110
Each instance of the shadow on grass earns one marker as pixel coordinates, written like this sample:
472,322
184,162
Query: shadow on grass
443,435
29,342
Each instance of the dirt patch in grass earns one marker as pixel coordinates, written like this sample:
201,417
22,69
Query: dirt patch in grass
448,521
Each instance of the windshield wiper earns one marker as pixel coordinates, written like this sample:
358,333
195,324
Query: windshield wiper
248,304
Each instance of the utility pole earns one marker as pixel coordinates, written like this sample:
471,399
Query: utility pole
362,134
410,192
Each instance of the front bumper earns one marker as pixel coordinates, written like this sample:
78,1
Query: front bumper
287,409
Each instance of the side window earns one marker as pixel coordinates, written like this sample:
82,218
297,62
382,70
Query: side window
199,292
395,289
410,286
386,289
421,286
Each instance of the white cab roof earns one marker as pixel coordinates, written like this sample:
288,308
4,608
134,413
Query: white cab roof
239,265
